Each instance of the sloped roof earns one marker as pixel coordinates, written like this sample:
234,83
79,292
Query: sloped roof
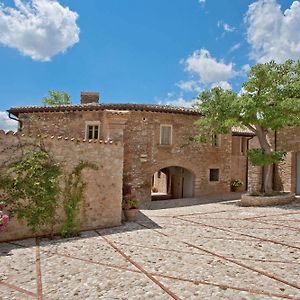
242,130
95,106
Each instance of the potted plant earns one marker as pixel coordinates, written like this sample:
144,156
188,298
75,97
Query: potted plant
130,207
235,184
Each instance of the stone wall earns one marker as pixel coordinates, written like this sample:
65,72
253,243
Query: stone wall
103,193
239,161
143,154
73,123
288,140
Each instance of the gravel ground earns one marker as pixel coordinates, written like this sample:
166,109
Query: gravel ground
204,248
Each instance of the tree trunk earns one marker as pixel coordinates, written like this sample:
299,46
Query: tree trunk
266,146
268,179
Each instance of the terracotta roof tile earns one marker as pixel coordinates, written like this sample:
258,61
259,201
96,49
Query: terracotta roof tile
95,106
242,130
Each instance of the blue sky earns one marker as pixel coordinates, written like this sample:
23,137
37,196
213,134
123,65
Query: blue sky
145,51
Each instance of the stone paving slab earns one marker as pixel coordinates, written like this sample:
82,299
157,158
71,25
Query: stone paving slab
276,234
193,291
8,293
17,267
76,280
205,250
207,269
100,252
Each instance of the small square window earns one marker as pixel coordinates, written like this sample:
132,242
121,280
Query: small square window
92,130
214,174
165,134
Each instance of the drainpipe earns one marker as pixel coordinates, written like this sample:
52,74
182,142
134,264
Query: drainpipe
247,162
20,126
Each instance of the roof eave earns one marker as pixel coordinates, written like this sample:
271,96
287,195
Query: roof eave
133,107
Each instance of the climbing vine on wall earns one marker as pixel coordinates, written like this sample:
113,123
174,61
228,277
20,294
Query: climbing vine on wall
31,189
73,195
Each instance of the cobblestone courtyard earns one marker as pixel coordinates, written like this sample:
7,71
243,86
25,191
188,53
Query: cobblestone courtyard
203,251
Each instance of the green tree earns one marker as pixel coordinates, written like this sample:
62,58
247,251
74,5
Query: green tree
57,98
270,101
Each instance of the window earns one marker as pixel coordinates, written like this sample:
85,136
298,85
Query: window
215,140
214,174
92,130
165,134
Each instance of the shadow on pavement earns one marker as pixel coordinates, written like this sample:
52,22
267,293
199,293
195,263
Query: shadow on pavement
163,204
6,248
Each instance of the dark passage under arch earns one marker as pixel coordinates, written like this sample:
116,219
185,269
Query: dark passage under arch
172,183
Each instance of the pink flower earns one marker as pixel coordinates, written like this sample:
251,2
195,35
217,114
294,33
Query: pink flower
3,221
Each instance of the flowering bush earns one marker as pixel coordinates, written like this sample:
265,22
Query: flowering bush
236,183
3,217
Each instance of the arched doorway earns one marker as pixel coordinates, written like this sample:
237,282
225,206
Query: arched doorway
172,183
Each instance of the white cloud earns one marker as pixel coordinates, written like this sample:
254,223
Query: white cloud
225,85
6,123
228,28
39,29
202,1
190,86
235,47
273,34
180,102
207,68
245,69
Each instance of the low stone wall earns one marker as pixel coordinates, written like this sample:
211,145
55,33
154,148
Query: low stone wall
248,200
103,193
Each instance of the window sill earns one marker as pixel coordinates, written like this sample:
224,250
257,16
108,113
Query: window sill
164,146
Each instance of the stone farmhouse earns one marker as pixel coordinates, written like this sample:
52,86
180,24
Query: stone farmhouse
148,148
159,154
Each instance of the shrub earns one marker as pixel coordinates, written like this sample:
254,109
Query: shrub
130,202
235,183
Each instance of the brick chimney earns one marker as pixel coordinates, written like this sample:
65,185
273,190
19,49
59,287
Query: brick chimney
89,97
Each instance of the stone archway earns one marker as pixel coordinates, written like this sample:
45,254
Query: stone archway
172,182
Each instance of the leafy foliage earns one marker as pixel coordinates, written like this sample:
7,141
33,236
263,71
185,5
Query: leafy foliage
31,189
129,202
73,195
270,101
57,98
258,157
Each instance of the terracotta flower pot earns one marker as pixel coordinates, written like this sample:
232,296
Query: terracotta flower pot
131,214
234,188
